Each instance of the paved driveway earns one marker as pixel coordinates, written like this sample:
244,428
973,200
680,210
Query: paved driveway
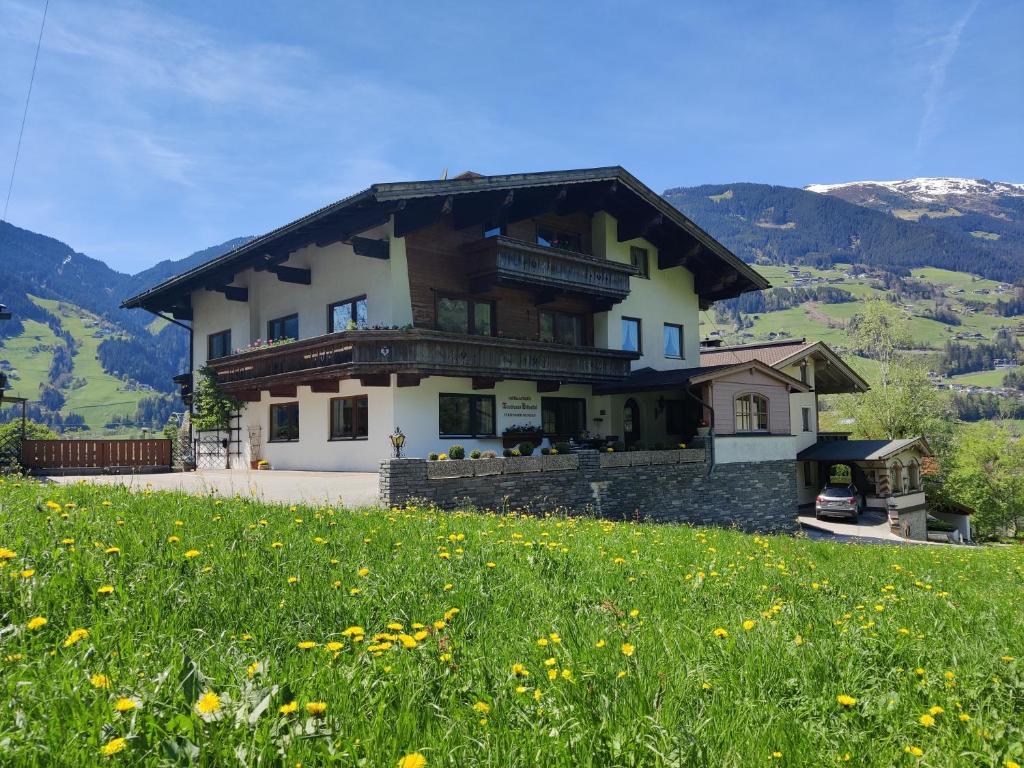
351,489
872,527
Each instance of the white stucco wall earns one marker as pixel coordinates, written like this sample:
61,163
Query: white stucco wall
417,411
667,297
314,450
731,449
337,273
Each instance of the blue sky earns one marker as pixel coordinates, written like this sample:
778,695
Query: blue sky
159,129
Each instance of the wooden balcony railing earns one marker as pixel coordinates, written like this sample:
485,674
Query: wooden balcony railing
417,352
504,260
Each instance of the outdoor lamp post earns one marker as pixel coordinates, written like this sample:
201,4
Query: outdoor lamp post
397,439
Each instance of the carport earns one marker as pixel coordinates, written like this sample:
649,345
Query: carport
889,475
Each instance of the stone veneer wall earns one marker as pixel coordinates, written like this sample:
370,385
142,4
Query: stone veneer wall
755,496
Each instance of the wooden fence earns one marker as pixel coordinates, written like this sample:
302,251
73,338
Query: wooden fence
95,455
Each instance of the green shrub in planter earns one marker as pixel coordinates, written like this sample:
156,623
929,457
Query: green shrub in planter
563,447
507,452
515,452
431,457
525,448
456,452
545,451
475,453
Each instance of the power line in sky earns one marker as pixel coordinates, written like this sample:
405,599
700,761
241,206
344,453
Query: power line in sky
24,115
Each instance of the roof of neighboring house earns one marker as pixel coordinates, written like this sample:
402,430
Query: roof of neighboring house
833,376
650,379
640,211
860,450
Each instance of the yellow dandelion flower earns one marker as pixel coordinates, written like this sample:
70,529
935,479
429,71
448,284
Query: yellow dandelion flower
307,644
408,641
964,717
364,571
520,671
915,751
354,631
125,705
316,708
289,708
926,720
721,633
113,746
845,700
600,643
293,579
396,626
412,760
106,589
36,623
1008,763
192,553
490,565
173,539
28,573
936,710
542,642
627,649
482,707
75,636
99,681
749,624
112,551
334,646
208,703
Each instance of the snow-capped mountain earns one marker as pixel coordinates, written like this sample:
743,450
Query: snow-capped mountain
992,212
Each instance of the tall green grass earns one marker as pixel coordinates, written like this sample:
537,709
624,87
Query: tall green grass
544,641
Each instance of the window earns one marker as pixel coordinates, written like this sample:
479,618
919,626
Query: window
896,473
218,344
805,415
552,238
751,413
349,417
561,327
673,340
808,474
348,314
284,422
563,417
465,316
914,475
675,417
803,372
283,328
640,259
631,341
466,415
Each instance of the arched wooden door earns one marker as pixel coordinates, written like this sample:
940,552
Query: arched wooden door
631,423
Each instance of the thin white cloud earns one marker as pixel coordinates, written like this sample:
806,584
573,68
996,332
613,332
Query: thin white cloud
941,49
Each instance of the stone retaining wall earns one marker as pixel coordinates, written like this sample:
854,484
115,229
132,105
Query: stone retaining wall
759,496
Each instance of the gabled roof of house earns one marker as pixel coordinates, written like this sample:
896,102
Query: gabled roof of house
650,379
474,199
861,450
834,376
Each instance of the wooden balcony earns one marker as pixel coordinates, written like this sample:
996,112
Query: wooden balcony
506,261
371,355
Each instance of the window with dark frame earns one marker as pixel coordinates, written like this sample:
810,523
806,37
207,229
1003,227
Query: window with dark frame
348,314
349,417
284,422
675,417
632,341
808,474
466,415
805,415
640,258
286,327
563,418
751,413
561,327
553,238
218,344
673,335
471,316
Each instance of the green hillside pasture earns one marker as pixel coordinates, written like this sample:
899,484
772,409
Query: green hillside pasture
982,378
104,396
251,634
30,354
970,283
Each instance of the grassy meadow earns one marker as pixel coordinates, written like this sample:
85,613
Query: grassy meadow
159,629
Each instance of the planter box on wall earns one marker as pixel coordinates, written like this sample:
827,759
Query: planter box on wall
515,465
